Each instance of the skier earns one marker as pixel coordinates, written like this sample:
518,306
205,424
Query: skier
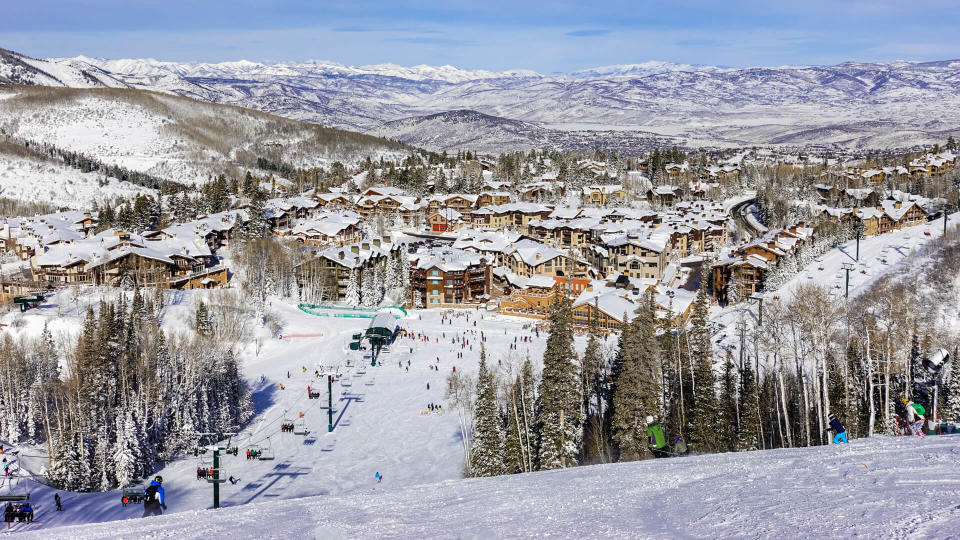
234,480
6,467
153,498
379,477
655,439
915,412
428,386
56,499
839,433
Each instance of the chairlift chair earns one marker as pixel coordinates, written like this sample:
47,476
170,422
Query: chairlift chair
286,425
218,477
346,382
254,451
300,427
266,452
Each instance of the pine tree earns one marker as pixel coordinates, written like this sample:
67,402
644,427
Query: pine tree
951,410
728,420
637,384
256,226
748,437
560,421
369,288
352,297
202,323
487,455
702,430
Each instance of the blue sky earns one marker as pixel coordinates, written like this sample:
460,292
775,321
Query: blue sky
488,34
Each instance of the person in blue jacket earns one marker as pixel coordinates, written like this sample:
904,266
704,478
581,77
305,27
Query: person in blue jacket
153,498
839,433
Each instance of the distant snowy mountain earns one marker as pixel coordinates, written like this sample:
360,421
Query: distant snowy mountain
466,129
174,138
851,105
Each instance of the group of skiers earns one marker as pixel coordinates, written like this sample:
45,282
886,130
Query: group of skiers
252,453
433,407
21,512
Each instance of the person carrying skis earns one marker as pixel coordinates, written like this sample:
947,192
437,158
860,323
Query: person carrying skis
915,412
655,439
153,498
839,433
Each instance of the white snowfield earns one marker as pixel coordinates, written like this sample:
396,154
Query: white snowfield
876,488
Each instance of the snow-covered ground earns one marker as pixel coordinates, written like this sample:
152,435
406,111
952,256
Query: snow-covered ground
879,255
871,488
31,180
378,422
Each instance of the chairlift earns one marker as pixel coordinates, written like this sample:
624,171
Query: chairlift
346,382
286,425
300,427
266,452
254,451
216,475
15,495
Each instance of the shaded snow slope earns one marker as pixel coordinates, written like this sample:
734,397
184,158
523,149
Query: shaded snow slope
876,488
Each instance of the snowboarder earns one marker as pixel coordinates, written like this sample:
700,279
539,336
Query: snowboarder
915,412
839,433
153,498
655,439
379,477
56,499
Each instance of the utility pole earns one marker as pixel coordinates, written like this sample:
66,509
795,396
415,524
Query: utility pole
848,267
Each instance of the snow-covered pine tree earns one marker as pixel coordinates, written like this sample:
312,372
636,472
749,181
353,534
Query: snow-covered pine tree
102,468
369,294
951,410
560,422
201,321
487,455
126,455
702,420
352,296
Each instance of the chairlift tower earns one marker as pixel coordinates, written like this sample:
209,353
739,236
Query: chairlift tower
216,449
847,267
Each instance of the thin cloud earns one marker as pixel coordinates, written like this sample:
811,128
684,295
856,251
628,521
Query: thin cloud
424,40
588,33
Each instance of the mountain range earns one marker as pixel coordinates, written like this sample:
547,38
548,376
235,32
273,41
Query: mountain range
628,107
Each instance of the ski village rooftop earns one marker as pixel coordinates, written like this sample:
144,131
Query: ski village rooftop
389,295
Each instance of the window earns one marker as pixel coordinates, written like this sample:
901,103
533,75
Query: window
434,273
434,300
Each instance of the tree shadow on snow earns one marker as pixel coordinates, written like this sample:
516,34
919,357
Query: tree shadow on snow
264,397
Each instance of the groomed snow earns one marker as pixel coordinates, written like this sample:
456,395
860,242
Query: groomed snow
871,488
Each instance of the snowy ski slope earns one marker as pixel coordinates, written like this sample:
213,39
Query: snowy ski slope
379,426
876,488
